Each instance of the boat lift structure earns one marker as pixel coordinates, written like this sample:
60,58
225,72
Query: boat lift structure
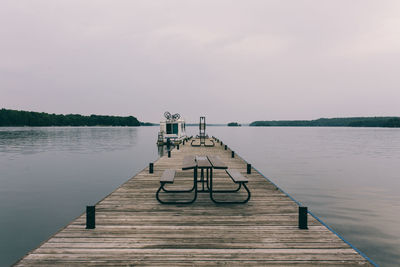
202,135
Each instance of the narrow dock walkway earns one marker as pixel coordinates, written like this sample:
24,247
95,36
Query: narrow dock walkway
133,229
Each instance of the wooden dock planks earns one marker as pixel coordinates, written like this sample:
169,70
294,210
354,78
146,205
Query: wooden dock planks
132,228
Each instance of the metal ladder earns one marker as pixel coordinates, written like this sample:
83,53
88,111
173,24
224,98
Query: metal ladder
202,132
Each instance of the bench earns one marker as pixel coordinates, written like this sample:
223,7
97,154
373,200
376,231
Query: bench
237,178
168,177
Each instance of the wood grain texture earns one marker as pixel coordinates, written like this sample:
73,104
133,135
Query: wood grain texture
133,229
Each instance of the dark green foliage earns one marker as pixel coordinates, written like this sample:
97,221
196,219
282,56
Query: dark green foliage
147,124
337,122
233,124
394,122
27,118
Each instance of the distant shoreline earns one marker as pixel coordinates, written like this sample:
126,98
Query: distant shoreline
19,118
387,122
15,118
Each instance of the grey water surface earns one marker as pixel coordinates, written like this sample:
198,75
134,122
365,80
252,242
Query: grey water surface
349,177
49,175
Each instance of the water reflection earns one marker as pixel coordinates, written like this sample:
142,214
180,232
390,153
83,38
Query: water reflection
14,141
48,175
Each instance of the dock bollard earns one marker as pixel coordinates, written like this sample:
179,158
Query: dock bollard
233,154
226,147
169,153
221,143
151,167
90,217
248,168
303,217
177,147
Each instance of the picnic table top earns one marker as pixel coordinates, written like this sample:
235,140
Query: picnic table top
208,161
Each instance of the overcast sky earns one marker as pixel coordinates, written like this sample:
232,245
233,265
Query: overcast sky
228,60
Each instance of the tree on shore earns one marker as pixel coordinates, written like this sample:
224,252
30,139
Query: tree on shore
336,122
10,117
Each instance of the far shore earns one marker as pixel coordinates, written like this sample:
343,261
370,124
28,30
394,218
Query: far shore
20,118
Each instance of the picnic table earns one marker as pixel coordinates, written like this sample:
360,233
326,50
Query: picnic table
206,164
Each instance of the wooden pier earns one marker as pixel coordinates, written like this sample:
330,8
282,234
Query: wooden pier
132,228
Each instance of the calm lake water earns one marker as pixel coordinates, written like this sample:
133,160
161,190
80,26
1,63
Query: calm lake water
349,177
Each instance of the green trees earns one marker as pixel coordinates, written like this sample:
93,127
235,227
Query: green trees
10,117
337,122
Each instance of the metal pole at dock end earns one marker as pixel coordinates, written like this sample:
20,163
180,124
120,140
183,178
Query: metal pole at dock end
221,143
177,147
233,154
226,147
248,168
169,153
151,167
90,217
303,211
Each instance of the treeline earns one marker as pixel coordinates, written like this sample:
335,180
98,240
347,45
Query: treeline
336,122
28,118
148,124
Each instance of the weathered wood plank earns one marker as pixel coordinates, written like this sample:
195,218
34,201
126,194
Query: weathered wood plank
132,228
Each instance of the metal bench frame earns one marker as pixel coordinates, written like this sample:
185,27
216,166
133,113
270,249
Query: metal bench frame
194,188
230,191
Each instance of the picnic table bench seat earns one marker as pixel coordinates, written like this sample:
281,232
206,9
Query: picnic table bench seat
236,176
168,177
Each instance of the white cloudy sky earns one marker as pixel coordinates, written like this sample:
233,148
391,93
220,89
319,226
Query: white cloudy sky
229,60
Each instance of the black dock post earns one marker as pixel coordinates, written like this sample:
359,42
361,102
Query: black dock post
221,143
169,153
226,147
233,154
248,168
151,167
177,147
90,217
303,217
